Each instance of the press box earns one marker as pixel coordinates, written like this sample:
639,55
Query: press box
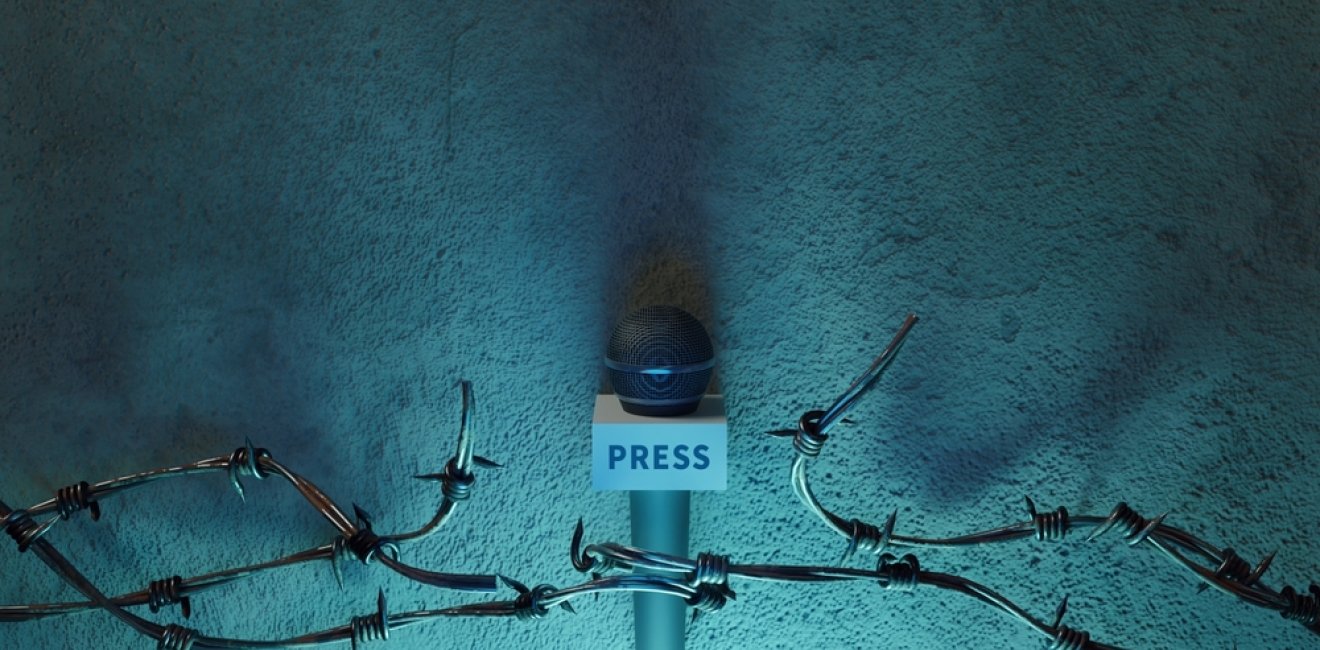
637,452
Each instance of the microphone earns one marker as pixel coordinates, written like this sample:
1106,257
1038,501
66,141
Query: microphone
660,361
668,439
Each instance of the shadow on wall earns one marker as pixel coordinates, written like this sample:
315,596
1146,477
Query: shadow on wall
64,344
65,331
657,230
139,323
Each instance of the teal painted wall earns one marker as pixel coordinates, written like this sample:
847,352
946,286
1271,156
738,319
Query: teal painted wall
302,222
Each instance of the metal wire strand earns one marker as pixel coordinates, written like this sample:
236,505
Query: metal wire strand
70,575
849,398
246,461
702,583
73,498
456,479
190,586
1230,573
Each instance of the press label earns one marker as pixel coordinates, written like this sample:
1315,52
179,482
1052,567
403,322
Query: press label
633,452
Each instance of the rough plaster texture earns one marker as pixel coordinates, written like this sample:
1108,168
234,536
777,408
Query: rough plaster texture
302,222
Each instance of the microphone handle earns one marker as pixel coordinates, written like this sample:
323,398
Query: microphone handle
660,523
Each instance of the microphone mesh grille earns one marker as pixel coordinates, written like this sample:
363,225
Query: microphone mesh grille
659,336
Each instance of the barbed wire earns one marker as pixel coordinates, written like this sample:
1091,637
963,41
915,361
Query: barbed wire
703,583
1226,570
356,538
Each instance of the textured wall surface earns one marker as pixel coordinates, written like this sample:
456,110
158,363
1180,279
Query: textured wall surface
303,221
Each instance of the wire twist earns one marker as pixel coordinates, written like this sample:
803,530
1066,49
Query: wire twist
584,561
710,597
1066,638
711,569
72,498
808,441
372,627
365,544
166,592
456,484
1134,527
869,538
1303,608
19,525
176,637
245,462
899,574
367,628
710,577
529,606
1049,526
598,565
1235,568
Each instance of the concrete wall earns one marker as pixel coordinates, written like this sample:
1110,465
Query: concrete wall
302,222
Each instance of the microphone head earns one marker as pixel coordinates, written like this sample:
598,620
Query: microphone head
660,361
